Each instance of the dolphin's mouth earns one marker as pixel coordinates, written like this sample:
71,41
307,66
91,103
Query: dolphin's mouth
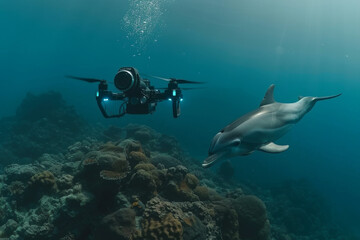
213,158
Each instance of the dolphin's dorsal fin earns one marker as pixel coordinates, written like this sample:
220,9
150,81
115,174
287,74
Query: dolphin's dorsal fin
273,148
269,96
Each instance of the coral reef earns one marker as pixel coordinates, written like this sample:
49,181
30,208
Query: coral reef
133,183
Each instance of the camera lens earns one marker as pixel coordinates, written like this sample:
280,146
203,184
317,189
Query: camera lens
124,80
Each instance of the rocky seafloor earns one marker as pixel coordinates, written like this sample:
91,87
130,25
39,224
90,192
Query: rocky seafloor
64,179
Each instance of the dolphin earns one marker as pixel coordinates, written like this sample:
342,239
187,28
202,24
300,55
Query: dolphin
257,130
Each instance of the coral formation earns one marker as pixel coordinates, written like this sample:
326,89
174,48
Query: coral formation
44,180
119,225
165,228
228,220
252,217
144,166
202,192
16,188
65,181
144,183
132,146
135,157
191,180
16,172
166,160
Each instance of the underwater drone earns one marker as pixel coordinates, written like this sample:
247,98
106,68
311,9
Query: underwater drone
137,96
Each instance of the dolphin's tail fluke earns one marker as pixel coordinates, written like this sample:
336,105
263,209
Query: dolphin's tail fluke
325,98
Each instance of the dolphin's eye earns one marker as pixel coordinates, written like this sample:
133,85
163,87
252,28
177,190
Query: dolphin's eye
235,143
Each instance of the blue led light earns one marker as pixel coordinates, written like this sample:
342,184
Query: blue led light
170,99
181,99
105,99
97,94
174,92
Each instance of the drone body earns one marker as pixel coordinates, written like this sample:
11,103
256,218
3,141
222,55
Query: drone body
137,96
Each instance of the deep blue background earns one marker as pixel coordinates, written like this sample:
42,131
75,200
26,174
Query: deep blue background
239,47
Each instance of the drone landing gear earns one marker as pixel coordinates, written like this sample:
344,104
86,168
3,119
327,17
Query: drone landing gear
176,107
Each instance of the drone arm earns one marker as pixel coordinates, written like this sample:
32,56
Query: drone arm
162,96
168,94
104,95
175,96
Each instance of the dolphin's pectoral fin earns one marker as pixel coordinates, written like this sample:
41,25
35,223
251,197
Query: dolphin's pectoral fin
269,96
273,148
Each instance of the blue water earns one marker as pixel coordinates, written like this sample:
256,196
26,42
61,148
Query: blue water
239,47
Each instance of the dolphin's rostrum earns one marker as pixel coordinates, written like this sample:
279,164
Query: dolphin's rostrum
259,129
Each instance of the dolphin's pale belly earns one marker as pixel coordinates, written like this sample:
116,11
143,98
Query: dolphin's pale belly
262,136
262,129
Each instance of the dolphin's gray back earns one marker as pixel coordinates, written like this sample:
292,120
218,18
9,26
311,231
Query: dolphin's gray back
219,137
240,120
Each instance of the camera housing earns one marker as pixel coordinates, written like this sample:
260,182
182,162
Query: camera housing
127,79
136,89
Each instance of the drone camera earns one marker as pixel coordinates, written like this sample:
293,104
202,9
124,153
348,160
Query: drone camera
127,79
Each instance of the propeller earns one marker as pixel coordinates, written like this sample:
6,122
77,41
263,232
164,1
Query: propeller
180,81
182,88
185,81
191,88
89,80
166,88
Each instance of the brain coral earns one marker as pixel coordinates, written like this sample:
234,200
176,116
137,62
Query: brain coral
145,166
119,225
166,228
110,162
202,192
191,180
135,158
44,180
144,183
252,217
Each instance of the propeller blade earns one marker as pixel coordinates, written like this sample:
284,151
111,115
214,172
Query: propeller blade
190,88
181,88
160,78
181,81
90,80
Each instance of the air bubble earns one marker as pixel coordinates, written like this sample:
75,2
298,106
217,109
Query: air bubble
141,20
